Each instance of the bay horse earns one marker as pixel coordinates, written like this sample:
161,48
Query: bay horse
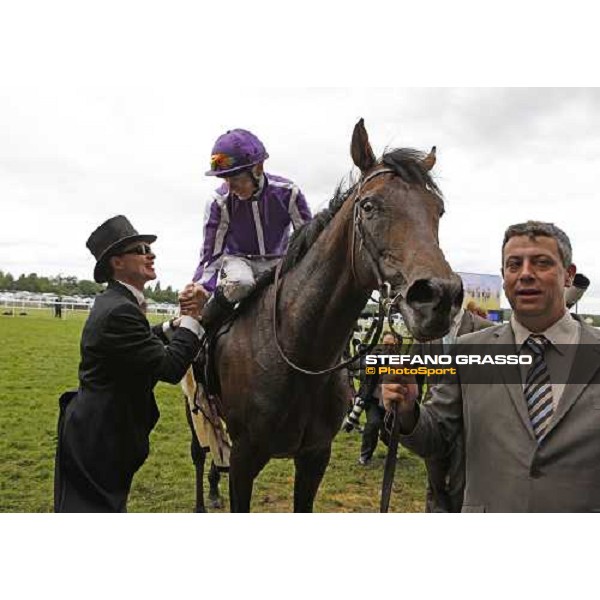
383,231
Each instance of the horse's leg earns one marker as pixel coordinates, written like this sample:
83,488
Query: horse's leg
214,496
245,463
310,468
198,458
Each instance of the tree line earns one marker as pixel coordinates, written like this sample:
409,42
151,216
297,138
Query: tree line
68,285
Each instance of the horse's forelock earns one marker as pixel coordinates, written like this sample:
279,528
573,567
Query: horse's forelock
408,164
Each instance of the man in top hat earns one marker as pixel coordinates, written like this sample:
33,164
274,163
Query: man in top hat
104,427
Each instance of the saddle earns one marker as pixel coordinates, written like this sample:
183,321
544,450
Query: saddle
205,368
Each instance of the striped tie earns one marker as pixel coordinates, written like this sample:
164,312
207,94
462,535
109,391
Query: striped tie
538,390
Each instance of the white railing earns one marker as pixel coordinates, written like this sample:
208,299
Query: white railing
20,306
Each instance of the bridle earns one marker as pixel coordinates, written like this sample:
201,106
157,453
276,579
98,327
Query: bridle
365,238
385,302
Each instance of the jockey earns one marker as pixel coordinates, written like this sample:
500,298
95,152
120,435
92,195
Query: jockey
246,226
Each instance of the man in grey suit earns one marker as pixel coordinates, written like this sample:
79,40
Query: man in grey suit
529,446
446,473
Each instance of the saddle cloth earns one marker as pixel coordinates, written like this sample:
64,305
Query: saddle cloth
209,428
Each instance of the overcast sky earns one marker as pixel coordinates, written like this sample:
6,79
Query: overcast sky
112,107
111,124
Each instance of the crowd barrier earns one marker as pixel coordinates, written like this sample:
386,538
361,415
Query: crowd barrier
20,307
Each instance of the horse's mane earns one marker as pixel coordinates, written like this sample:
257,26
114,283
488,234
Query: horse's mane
406,162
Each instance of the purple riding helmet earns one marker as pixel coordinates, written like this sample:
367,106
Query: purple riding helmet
235,151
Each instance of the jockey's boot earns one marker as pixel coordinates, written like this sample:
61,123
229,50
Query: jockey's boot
216,311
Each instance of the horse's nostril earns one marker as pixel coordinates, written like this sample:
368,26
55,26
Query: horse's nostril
421,292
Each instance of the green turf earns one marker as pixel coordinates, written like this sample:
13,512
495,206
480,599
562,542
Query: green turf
38,360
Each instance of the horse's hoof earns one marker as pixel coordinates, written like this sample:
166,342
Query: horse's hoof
215,502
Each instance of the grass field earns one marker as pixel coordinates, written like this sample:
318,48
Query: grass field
38,360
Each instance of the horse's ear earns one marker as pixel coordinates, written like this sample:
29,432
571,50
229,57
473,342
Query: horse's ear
362,153
429,160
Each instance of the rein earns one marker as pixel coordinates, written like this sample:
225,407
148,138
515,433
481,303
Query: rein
385,303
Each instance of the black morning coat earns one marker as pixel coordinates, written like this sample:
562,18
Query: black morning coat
104,429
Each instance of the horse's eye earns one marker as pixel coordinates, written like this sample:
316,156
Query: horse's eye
367,206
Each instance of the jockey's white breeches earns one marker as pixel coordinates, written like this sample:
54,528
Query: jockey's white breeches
238,274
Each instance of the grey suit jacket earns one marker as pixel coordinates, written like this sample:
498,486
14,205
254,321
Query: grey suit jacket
468,324
506,469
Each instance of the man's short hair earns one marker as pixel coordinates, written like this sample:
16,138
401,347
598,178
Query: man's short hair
110,272
538,228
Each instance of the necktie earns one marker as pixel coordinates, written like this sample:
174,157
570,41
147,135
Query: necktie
538,389
144,306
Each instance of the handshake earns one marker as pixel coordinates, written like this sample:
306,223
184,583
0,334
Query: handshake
192,299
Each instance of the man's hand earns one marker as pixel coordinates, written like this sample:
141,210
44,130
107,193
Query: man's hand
400,390
192,299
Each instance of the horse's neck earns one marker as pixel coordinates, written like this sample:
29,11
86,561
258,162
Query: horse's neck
319,296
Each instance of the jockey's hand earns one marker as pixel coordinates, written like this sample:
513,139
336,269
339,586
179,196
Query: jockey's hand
188,305
187,292
201,295
192,299
399,390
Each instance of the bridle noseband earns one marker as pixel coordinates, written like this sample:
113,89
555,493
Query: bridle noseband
385,302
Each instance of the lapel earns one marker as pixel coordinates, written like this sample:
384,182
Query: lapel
123,291
504,335
585,365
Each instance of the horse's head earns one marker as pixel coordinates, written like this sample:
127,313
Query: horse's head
397,209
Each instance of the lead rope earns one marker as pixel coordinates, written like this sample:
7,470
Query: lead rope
391,458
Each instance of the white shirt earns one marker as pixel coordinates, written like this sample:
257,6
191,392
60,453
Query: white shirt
139,296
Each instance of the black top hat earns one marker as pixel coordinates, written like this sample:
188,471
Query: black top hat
108,239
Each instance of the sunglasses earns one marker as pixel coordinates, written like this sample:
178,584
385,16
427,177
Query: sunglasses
141,249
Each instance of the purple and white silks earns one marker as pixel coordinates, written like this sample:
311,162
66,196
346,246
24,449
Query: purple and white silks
259,227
